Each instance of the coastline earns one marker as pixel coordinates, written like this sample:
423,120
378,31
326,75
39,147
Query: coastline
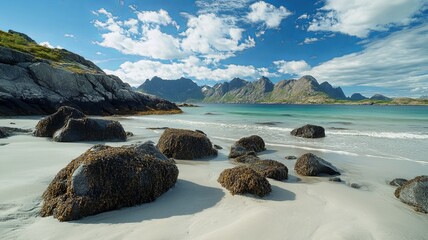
199,208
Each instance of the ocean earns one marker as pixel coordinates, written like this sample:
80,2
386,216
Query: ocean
390,132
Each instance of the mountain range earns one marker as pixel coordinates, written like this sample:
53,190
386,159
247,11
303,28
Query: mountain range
303,90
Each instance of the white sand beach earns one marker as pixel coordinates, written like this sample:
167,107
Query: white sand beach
199,208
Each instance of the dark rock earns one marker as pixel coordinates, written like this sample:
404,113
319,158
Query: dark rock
355,185
217,147
3,134
148,148
309,131
187,105
199,131
87,129
268,123
12,131
311,165
185,144
50,124
247,145
290,157
335,179
248,158
12,123
242,179
238,150
105,179
270,169
398,182
414,193
129,134
158,128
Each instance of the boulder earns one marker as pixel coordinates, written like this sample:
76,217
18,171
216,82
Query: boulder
398,182
248,158
270,169
88,129
106,178
290,157
311,165
247,146
242,179
335,179
415,193
309,131
50,124
185,144
217,147
148,148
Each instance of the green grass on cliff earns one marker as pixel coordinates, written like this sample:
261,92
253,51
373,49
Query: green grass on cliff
19,43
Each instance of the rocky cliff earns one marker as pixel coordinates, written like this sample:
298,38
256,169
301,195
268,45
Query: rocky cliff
35,80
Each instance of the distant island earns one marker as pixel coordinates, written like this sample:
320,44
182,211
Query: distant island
305,90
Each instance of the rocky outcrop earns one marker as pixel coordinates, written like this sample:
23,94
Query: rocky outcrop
88,129
33,85
3,134
179,90
47,126
415,193
311,165
185,144
309,131
247,158
242,179
247,146
398,182
380,97
270,169
148,148
106,178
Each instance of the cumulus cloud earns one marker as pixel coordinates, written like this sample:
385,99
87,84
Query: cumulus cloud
48,45
291,67
398,62
268,14
210,34
136,72
360,17
160,17
303,16
310,40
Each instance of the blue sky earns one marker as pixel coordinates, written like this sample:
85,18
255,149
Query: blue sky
367,46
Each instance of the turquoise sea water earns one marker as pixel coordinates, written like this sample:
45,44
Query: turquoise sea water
392,132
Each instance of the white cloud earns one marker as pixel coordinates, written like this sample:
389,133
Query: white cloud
310,40
99,53
398,62
160,17
69,35
151,42
267,13
360,17
209,34
48,45
221,6
303,16
136,72
291,67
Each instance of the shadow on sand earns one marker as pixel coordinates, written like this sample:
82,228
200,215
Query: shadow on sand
280,194
185,198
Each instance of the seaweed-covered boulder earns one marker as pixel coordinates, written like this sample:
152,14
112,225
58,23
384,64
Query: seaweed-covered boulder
242,179
47,126
106,178
309,131
148,148
247,146
88,129
185,144
249,158
398,182
270,169
414,193
311,165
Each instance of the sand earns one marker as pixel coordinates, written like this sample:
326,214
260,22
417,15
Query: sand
199,208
